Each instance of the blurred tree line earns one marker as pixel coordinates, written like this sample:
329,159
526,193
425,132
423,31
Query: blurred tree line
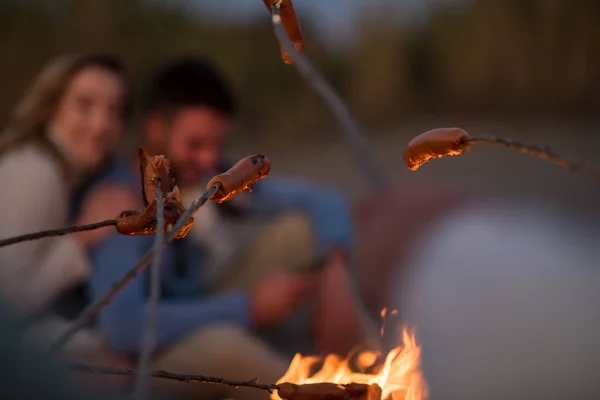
500,56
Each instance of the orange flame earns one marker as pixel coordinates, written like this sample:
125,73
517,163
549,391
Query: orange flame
400,376
384,313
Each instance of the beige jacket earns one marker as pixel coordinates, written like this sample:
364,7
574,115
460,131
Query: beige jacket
35,197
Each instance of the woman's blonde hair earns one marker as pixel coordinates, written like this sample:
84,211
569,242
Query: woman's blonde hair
38,105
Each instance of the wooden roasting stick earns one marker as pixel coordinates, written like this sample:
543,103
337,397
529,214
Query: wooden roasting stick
287,31
285,390
443,142
224,186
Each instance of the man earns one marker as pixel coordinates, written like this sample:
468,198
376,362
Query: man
235,289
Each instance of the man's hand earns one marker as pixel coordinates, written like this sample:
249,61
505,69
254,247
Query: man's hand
275,296
104,202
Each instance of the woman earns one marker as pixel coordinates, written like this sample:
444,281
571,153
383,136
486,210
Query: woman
65,128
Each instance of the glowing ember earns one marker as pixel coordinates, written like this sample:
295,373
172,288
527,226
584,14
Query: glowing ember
384,314
399,376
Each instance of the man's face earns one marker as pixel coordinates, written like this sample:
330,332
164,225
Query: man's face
194,141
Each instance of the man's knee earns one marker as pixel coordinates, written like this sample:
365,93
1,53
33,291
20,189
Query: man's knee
215,341
223,340
292,225
218,345
224,350
291,236
214,350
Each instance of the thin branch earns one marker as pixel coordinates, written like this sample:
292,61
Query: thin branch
149,331
359,144
91,369
57,232
353,132
537,151
92,310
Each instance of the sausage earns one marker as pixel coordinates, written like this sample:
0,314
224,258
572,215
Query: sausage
435,143
143,222
291,25
138,222
329,391
154,168
174,210
240,177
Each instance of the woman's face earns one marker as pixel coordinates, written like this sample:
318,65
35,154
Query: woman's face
89,119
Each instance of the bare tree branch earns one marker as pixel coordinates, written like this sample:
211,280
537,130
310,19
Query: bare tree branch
149,331
285,390
543,153
357,139
443,142
253,383
361,147
57,232
92,311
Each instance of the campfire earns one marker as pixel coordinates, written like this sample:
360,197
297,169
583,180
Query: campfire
364,375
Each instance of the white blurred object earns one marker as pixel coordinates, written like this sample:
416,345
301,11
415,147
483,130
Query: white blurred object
506,304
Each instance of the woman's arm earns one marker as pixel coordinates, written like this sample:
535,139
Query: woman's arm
34,198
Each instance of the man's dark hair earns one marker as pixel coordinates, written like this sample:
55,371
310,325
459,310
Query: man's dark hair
189,82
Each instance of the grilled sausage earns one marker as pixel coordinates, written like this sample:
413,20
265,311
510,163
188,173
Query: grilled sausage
143,222
154,168
291,25
240,177
435,143
329,391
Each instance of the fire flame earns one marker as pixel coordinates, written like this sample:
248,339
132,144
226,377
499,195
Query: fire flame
399,377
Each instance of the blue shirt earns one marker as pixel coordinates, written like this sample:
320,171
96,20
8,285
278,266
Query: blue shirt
183,308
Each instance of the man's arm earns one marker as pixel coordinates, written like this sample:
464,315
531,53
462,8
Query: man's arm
122,320
328,211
